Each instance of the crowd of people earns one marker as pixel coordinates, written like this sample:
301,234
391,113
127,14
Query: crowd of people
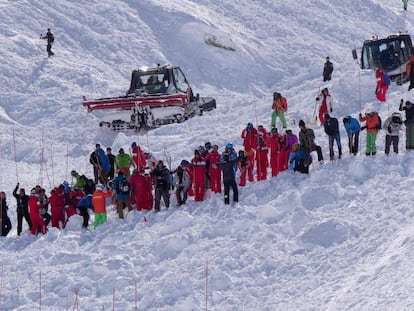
138,181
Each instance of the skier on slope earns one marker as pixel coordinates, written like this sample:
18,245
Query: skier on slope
50,39
34,211
215,174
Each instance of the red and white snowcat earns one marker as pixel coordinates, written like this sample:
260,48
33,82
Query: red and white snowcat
157,96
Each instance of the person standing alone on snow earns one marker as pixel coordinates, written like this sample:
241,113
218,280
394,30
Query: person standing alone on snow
327,70
279,107
50,39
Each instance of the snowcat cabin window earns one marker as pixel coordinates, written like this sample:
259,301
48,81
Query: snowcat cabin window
370,56
388,58
180,80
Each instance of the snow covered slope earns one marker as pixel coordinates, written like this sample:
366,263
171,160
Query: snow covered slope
337,239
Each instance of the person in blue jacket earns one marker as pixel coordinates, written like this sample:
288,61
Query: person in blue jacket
352,128
104,164
122,188
297,161
84,204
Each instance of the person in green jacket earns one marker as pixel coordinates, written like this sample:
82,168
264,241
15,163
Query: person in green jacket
80,180
123,162
405,4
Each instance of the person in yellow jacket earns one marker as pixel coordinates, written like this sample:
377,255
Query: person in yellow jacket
98,202
279,107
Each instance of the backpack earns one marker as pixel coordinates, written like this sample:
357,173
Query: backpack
379,126
124,186
52,38
84,179
387,79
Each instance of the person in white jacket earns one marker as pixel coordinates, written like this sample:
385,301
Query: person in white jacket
392,126
183,184
324,102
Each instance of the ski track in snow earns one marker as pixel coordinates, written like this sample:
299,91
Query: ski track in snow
338,239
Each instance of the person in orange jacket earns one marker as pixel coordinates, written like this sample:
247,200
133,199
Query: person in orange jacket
98,202
279,107
373,125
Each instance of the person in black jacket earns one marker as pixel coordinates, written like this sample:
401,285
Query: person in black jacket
332,130
229,177
22,200
94,160
409,122
50,39
5,220
162,177
111,159
327,70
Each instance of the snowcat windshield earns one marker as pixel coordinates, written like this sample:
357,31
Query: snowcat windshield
155,83
387,54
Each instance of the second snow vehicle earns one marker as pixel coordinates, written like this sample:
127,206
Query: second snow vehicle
390,54
156,96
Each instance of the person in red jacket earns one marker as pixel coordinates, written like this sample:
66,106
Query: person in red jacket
382,87
215,173
262,162
138,156
198,164
283,153
57,206
34,212
249,135
273,143
141,186
74,197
